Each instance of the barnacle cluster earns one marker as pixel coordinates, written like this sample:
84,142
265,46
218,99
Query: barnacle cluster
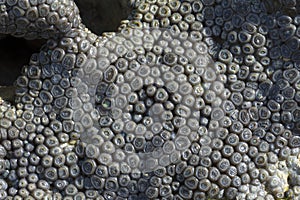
190,99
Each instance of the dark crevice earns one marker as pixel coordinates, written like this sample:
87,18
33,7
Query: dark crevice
103,15
14,54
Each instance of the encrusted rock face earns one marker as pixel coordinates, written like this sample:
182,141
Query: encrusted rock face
95,20
188,100
34,19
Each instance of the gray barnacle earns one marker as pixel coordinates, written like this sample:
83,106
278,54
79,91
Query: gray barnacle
98,113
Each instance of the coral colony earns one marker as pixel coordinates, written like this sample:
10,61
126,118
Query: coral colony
189,99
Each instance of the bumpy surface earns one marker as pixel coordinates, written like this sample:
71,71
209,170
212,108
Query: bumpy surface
189,100
33,19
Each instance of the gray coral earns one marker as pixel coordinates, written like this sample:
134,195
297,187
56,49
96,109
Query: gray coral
188,100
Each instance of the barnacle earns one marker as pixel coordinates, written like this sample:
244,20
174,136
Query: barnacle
189,99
